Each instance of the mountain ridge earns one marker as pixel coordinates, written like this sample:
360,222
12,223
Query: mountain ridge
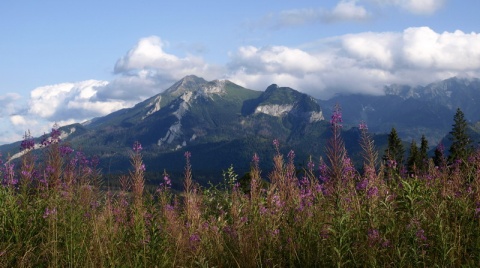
223,122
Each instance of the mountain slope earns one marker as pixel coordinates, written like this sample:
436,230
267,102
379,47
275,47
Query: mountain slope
413,111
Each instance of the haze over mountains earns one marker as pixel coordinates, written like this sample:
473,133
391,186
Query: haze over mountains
222,123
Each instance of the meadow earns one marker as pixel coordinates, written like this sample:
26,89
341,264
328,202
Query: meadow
55,213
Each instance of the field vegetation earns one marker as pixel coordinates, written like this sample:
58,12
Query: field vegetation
394,211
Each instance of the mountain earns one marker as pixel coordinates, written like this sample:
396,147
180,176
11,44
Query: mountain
412,110
224,124
219,122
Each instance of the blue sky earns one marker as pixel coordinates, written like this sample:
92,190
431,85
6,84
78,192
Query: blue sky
69,61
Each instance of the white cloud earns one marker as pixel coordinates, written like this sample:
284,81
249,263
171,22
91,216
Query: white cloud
361,63
421,7
72,101
18,120
347,10
148,65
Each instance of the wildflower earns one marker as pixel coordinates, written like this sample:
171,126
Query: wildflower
373,237
276,143
187,154
336,118
167,181
363,126
275,232
421,235
55,134
373,191
362,185
291,155
28,142
310,165
137,147
49,212
391,163
9,175
65,150
255,159
49,170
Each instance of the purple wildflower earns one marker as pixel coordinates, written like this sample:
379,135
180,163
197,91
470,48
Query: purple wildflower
187,155
363,126
28,143
373,191
65,150
49,212
362,185
336,118
255,159
55,134
137,147
276,143
167,181
421,235
373,237
291,155
310,165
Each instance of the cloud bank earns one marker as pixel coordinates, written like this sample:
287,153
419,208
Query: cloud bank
353,63
360,63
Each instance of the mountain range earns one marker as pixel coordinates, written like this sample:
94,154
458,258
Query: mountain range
224,124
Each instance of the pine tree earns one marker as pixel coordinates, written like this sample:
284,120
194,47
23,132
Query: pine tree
413,158
395,149
461,147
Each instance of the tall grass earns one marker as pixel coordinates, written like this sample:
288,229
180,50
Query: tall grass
54,214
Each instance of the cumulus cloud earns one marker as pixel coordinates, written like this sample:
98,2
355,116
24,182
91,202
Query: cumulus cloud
72,101
421,7
346,10
360,63
149,69
18,120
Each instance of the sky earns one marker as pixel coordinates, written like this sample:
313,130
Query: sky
63,62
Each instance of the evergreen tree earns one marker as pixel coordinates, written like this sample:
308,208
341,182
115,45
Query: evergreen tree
395,149
413,158
423,154
461,147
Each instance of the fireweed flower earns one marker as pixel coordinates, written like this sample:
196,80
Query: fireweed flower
28,143
372,191
336,118
373,237
363,126
137,147
276,143
255,159
9,175
65,150
49,212
420,234
362,185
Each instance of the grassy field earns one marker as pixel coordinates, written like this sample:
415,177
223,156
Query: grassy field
55,214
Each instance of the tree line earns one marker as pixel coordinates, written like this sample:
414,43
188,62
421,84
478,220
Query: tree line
417,160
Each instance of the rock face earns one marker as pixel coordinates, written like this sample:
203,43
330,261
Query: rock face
274,109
